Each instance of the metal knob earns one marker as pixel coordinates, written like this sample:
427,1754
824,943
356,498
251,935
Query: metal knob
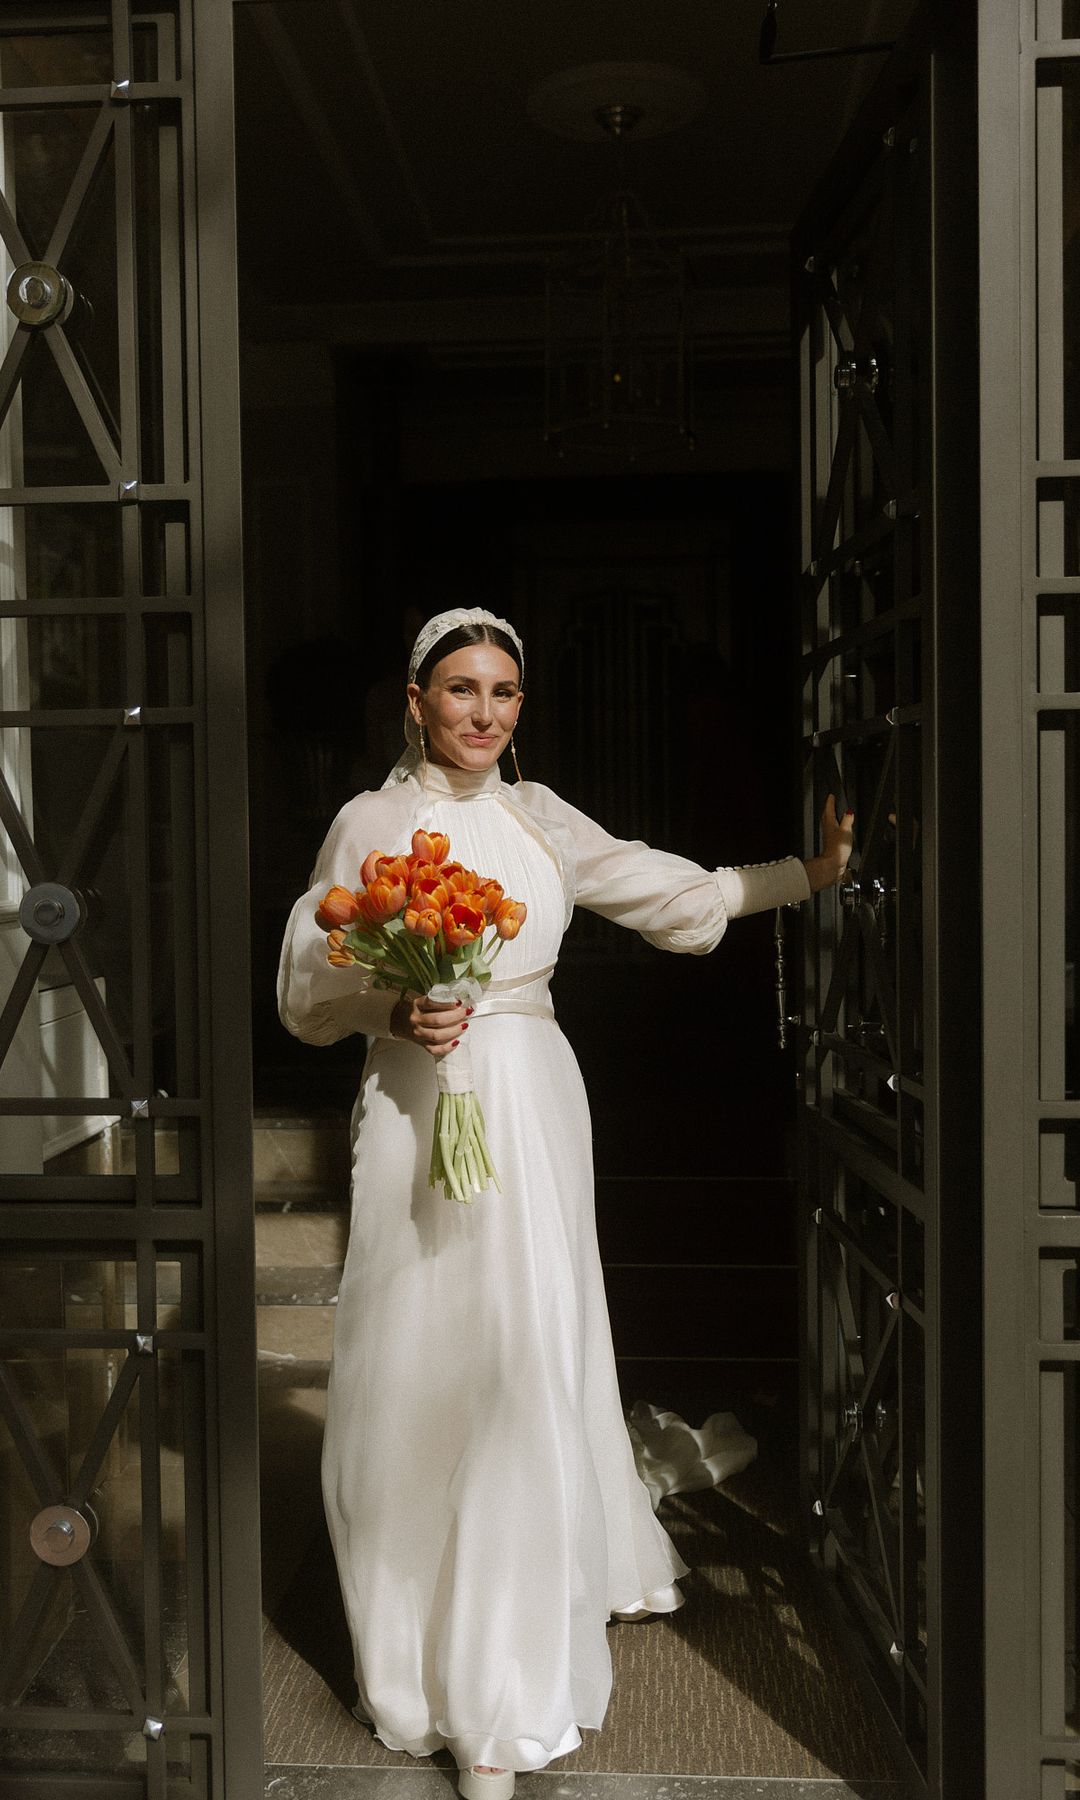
61,1535
50,913
37,294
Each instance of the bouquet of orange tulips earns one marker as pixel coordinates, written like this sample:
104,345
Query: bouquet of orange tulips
425,925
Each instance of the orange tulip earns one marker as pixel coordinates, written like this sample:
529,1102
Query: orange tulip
463,922
490,893
423,921
459,880
335,940
338,906
509,917
427,882
431,847
341,959
386,868
382,900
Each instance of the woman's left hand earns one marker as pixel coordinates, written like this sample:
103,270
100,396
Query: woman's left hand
837,837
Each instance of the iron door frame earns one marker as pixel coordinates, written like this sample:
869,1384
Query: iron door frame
199,281
236,1367
1029,58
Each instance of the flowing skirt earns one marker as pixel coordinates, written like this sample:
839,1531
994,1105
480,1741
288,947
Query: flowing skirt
480,1486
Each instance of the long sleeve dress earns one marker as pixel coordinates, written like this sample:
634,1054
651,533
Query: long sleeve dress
480,1488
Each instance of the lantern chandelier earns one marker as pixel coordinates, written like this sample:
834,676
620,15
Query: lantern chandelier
618,348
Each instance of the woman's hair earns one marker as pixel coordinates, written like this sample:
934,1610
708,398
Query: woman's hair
460,639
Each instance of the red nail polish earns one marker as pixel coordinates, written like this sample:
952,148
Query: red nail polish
455,1043
468,1012
465,1027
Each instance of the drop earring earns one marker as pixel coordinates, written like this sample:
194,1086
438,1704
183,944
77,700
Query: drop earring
423,746
513,757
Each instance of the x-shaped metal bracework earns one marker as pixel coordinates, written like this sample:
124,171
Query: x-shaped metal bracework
865,1386
66,876
51,1491
92,407
854,339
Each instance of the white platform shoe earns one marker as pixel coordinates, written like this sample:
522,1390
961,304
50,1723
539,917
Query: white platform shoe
474,1784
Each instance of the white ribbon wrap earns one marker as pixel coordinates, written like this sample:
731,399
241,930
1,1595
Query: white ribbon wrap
454,1071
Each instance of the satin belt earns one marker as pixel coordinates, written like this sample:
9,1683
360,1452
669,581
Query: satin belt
503,996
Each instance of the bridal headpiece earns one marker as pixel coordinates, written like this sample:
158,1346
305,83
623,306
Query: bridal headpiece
445,622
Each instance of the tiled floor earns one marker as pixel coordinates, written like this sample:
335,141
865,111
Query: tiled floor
284,1783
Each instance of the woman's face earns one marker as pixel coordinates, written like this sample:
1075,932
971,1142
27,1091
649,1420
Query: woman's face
469,707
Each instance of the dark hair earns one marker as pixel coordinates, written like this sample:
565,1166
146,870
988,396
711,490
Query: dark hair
460,639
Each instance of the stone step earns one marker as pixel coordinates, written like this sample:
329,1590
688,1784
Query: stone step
300,1159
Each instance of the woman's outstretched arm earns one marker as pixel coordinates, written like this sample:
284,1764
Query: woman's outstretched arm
673,902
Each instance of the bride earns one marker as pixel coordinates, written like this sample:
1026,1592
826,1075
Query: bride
480,1487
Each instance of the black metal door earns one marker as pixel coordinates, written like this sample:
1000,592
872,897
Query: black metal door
888,1038
128,1539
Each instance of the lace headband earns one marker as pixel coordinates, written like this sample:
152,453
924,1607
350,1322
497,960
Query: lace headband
445,622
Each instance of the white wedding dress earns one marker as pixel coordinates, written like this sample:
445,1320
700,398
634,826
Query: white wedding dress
479,1480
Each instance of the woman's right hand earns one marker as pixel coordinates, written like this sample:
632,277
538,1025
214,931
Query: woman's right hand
434,1025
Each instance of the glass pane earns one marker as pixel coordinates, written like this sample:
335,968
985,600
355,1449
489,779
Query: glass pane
66,59
87,1647
85,1642
60,1290
120,993
69,659
1059,644
64,1752
54,446
107,1150
60,553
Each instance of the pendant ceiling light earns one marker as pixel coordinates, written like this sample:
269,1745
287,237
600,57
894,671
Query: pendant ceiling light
618,348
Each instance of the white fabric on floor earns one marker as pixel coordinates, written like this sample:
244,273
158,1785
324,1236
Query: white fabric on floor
674,1458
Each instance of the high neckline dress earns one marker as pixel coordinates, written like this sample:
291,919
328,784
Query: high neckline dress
480,1487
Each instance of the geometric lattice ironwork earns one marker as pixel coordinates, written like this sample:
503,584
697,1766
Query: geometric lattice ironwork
866,1077
1029,163
123,1391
